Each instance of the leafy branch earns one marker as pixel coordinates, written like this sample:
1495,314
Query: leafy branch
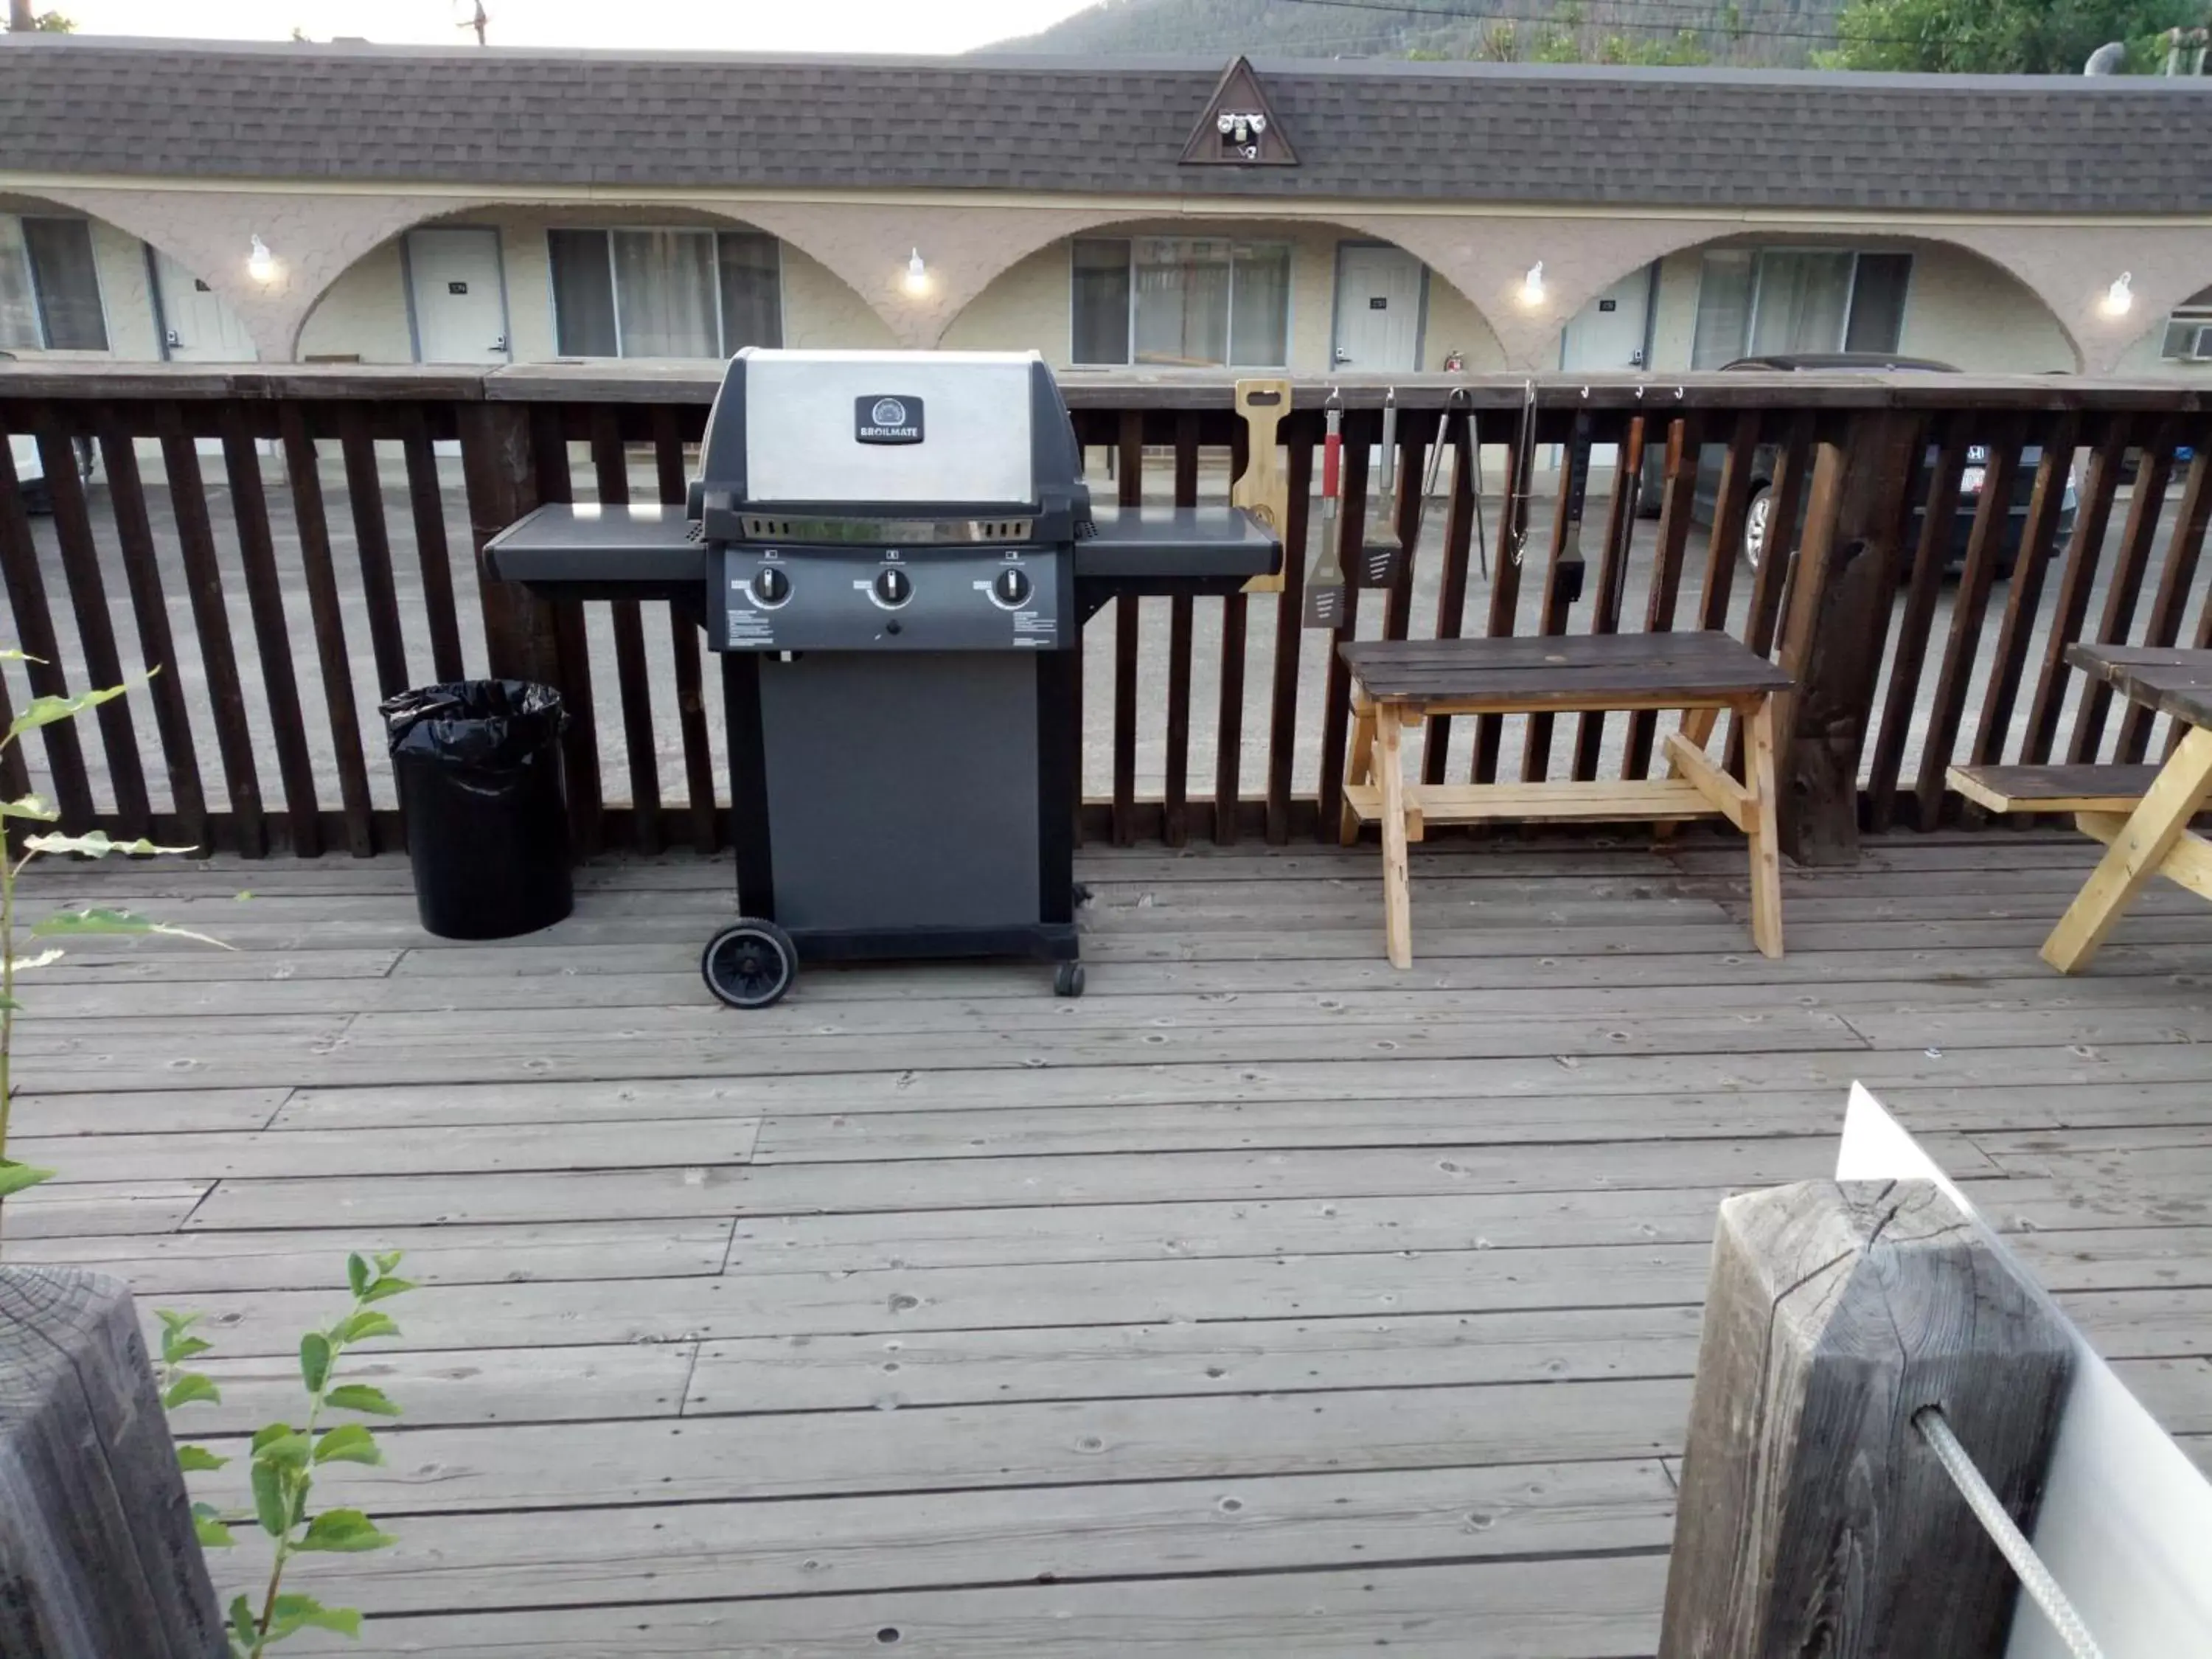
71,924
283,1459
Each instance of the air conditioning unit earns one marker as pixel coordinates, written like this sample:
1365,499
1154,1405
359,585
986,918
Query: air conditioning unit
2188,337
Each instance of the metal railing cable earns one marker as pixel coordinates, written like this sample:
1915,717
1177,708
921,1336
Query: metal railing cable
1990,1510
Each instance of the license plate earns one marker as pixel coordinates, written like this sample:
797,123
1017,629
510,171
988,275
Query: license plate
1971,479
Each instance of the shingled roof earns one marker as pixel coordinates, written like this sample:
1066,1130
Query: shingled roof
1465,132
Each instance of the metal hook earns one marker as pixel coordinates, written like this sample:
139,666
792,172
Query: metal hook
1335,398
1679,394
1586,394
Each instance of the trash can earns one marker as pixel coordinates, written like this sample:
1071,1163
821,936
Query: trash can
479,769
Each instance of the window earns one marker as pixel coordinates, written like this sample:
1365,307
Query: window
49,286
1761,302
664,293
2189,331
1181,301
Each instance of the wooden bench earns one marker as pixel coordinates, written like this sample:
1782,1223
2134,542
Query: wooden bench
2079,787
1398,683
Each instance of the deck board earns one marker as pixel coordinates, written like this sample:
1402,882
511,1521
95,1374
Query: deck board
1264,1300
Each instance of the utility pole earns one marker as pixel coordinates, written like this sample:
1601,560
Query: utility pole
20,19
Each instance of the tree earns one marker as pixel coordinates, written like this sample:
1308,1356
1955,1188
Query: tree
1996,37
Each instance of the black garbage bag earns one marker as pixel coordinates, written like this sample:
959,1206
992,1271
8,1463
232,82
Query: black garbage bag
480,788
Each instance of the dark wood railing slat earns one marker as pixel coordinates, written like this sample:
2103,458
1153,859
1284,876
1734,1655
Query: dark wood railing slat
2177,580
1336,684
1290,635
684,644
35,635
1174,807
1931,556
1552,606
272,633
180,466
1127,614
1404,525
2024,597
373,544
1502,616
329,620
1769,584
1969,612
1607,591
157,645
634,681
2071,605
1451,579
95,626
569,659
427,505
1228,724
14,767
2123,585
1677,496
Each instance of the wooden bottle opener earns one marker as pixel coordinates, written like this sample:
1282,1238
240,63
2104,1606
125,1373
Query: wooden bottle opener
1261,489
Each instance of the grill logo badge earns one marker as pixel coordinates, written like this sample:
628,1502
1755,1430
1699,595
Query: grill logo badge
883,420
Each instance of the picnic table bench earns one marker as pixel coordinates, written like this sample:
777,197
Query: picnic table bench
1398,683
2140,812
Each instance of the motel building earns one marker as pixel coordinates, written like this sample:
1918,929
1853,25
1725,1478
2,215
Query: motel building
233,203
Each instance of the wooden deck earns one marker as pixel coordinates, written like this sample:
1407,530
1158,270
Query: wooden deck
1264,1301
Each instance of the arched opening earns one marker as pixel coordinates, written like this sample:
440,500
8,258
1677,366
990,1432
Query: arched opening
1786,293
2179,343
518,282
74,285
1259,294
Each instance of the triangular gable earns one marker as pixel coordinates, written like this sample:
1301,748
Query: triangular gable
1239,128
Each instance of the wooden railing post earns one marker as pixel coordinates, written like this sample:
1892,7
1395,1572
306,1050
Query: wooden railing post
1831,639
499,469
97,1554
1812,1517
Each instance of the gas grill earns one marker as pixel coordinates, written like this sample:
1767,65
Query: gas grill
894,554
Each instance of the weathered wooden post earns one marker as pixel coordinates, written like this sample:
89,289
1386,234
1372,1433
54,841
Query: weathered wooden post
98,1560
1838,620
1813,1518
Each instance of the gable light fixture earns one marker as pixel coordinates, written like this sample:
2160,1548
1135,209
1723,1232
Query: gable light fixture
2120,297
260,263
917,274
1531,285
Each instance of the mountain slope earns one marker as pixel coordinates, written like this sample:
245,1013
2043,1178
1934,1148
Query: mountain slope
1769,31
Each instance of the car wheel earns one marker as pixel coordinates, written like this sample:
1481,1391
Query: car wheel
1756,513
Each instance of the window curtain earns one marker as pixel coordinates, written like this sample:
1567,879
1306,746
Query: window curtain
1878,302
67,283
583,294
1723,308
1183,302
1803,298
1259,305
752,290
1099,324
666,293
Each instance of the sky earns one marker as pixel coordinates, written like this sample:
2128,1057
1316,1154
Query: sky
894,26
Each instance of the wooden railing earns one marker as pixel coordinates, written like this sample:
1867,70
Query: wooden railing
1899,672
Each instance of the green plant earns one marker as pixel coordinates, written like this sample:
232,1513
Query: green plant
283,1459
69,924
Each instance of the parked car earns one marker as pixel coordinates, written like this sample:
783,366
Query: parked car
1758,509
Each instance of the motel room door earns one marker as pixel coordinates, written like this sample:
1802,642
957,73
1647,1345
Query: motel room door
459,294
198,325
1378,308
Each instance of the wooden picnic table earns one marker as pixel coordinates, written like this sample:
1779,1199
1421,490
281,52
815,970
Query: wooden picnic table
2155,839
1398,683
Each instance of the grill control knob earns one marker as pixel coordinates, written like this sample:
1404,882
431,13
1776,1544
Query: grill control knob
770,585
894,587
1012,587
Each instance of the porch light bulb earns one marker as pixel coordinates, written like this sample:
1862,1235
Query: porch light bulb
917,274
260,265
1532,286
2121,295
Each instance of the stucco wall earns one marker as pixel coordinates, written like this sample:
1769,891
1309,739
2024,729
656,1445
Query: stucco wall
820,309
364,313
1963,310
